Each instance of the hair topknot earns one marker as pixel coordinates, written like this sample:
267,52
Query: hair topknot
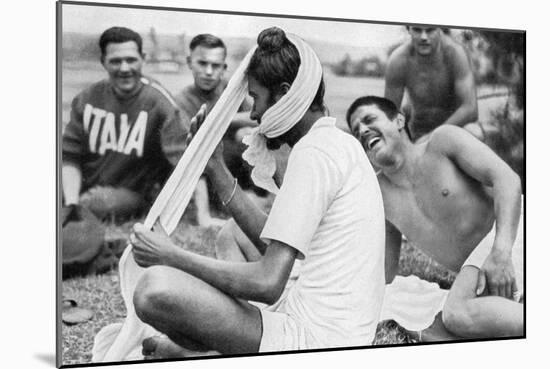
277,60
272,39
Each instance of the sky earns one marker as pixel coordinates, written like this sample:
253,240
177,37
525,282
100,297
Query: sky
95,19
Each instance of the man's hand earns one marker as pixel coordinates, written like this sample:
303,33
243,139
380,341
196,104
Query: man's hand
151,248
72,183
196,122
497,275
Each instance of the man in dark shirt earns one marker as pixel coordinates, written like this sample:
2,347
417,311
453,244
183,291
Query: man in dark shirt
207,64
125,133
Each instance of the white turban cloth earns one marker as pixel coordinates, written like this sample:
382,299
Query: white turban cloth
283,115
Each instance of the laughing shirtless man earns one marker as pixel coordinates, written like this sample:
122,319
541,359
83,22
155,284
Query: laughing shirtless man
456,200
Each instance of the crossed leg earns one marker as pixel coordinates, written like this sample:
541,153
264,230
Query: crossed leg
471,316
194,316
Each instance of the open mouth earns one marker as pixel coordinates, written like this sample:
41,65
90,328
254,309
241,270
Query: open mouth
371,140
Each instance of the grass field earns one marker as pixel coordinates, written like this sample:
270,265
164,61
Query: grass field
101,293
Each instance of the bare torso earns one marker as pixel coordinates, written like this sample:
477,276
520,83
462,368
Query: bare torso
430,87
444,212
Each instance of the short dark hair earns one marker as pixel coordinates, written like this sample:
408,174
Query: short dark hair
208,41
386,105
445,30
276,60
119,35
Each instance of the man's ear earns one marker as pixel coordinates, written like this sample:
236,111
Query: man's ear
400,121
188,60
282,90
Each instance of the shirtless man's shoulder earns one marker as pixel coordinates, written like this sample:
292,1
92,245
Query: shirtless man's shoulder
454,54
397,63
402,52
442,138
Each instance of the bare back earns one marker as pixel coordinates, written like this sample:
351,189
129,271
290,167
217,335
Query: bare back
445,213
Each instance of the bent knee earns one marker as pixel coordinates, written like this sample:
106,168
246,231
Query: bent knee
152,296
460,316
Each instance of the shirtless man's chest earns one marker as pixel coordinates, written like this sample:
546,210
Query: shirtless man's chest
431,89
430,84
444,212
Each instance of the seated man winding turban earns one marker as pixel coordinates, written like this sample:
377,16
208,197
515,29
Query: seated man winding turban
328,213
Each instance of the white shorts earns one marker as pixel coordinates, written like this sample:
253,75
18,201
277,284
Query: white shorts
281,332
480,253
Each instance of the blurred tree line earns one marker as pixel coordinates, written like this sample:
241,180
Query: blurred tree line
165,53
368,66
498,58
506,54
78,46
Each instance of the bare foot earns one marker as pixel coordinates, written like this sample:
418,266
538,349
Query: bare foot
161,347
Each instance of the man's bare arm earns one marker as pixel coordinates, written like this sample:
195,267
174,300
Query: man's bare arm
263,280
250,218
465,90
480,162
247,215
71,182
395,77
